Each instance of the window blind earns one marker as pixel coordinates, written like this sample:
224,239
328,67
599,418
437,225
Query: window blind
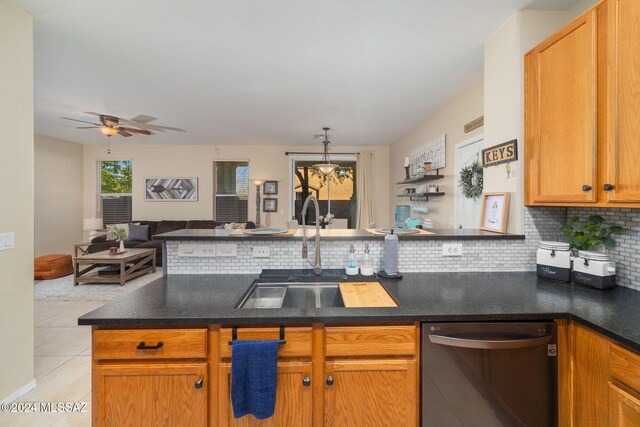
231,183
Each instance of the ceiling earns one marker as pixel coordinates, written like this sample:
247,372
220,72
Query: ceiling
258,71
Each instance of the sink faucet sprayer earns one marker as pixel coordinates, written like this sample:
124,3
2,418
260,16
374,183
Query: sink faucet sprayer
317,264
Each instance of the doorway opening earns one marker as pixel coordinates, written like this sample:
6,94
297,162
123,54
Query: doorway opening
467,210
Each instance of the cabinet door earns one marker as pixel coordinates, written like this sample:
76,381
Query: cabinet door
293,398
158,394
371,393
623,151
590,378
625,408
561,120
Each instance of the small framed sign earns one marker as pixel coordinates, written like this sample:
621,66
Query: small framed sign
270,187
502,153
270,205
495,212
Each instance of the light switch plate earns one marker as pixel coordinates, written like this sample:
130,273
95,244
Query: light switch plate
200,251
7,241
452,249
261,252
229,250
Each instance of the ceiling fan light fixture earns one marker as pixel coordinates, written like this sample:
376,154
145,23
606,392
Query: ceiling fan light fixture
325,166
106,130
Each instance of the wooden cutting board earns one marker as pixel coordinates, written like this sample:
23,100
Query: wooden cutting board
365,294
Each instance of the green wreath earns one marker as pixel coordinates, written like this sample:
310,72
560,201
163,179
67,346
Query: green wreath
469,190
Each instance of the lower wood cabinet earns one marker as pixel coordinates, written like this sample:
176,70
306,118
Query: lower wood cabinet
602,381
293,398
153,394
370,393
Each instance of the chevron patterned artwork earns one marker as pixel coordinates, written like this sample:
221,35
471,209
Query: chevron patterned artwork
171,189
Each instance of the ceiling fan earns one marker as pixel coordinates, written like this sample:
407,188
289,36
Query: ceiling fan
110,125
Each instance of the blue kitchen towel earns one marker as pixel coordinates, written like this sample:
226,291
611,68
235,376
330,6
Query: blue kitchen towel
254,366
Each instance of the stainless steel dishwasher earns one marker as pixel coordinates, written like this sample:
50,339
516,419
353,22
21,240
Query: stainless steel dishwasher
489,374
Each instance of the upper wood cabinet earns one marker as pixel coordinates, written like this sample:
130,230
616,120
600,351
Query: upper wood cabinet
623,173
582,111
561,97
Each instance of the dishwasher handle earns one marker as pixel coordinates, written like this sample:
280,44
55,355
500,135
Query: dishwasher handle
492,344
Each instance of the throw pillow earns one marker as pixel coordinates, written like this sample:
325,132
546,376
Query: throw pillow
138,232
117,232
220,227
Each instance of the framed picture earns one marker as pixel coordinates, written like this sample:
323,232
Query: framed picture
171,189
270,205
495,212
270,188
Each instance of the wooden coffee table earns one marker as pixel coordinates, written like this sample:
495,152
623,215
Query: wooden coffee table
139,258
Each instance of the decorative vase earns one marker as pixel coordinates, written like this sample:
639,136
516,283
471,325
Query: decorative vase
121,249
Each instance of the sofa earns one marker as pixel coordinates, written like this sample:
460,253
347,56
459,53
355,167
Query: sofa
100,243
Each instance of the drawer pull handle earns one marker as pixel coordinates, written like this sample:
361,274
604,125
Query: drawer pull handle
306,381
142,346
608,187
199,383
586,188
329,380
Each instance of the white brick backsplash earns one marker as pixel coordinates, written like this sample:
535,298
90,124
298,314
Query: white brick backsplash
414,255
626,254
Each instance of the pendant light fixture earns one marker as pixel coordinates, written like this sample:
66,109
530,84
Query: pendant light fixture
325,166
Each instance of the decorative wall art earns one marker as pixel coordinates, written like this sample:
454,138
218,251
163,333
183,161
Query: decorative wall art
171,189
495,212
432,152
270,188
270,205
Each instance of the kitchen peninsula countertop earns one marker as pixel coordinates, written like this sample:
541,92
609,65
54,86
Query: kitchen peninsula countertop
442,297
337,234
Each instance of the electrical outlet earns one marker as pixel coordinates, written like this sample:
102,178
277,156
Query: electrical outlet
452,249
261,252
201,251
230,250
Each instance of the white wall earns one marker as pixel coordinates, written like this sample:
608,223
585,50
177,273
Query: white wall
504,97
265,162
449,120
16,174
58,195
579,7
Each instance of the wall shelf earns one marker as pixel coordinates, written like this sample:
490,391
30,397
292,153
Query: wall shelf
423,197
421,179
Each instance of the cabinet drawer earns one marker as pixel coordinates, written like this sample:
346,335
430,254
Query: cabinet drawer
130,343
625,366
298,340
370,341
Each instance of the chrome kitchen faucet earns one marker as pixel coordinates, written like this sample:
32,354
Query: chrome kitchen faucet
317,264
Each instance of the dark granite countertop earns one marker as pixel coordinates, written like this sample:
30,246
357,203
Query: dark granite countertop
210,299
439,234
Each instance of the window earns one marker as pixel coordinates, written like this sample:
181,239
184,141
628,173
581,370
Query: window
231,181
341,190
114,191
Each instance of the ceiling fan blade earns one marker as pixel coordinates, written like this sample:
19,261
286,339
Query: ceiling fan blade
141,131
81,121
142,118
86,127
124,133
150,127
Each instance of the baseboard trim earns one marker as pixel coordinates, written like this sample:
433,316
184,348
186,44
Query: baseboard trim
20,392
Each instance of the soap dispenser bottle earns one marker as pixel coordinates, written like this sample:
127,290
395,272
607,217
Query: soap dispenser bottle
352,264
366,265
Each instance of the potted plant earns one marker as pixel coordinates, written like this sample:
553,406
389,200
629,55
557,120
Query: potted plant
590,236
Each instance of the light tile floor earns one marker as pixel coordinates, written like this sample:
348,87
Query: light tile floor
62,364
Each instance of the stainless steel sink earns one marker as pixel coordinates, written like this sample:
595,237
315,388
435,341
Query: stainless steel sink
292,295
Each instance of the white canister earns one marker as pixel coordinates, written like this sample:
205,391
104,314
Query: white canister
594,269
554,261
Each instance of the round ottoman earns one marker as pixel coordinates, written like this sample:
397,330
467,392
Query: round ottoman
52,266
